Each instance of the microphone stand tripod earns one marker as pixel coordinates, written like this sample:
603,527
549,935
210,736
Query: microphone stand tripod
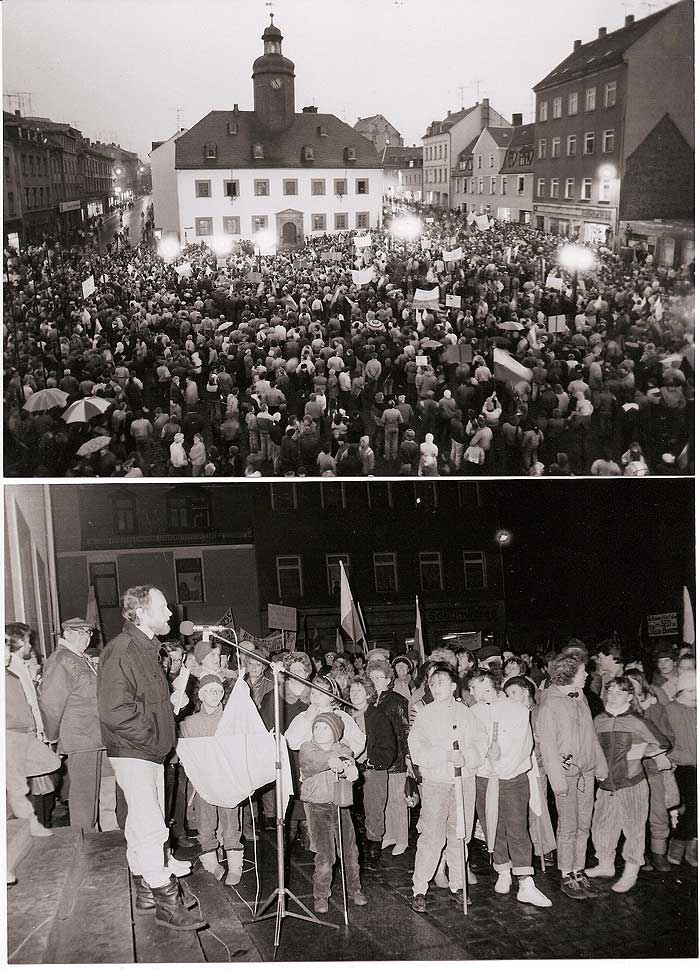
281,893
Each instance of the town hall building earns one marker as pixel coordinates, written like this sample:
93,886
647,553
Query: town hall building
274,173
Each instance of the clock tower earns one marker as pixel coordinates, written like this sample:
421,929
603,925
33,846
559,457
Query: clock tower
273,82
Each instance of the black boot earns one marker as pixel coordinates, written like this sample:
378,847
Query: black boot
146,901
372,851
170,911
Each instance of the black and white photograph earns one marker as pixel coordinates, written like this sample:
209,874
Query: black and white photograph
341,713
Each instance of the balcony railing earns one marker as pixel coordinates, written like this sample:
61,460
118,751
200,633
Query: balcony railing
172,539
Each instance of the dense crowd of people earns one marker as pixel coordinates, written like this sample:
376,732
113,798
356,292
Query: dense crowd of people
249,365
558,756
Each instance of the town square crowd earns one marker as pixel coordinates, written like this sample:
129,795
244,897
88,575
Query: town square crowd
249,364
559,755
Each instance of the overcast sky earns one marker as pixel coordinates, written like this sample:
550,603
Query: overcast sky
119,69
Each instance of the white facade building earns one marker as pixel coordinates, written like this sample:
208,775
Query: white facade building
164,186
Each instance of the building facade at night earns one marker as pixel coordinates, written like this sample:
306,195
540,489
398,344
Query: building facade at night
274,173
614,130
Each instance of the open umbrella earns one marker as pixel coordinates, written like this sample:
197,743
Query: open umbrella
225,326
46,399
85,409
94,445
510,325
430,344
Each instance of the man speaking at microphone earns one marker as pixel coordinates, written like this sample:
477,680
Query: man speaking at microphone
138,730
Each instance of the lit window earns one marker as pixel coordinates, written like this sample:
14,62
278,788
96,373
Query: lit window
504,185
605,190
540,187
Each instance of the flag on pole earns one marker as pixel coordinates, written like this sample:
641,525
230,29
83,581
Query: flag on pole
92,616
228,620
339,645
350,617
418,637
688,621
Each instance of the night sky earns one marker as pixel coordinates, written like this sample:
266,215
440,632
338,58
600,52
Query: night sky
591,556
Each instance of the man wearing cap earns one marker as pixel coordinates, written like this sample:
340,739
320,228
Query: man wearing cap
68,705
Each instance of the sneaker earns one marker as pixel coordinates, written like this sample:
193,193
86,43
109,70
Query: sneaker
572,888
419,904
320,905
360,899
529,894
503,884
602,870
456,895
585,884
36,829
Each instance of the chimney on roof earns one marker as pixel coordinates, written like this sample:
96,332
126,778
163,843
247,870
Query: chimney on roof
577,44
629,20
602,31
517,118
485,113
235,109
18,113
310,110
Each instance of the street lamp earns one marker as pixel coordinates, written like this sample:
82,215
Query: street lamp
576,259
503,538
264,240
169,249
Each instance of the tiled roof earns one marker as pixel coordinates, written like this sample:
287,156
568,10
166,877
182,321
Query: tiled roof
501,136
448,121
600,53
467,151
520,154
398,155
280,149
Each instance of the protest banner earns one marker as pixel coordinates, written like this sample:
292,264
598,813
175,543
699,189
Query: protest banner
453,256
362,277
482,222
361,242
88,287
556,324
554,283
453,300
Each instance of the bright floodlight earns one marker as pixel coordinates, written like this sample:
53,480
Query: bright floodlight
406,227
118,171
265,242
169,249
576,259
504,537
221,245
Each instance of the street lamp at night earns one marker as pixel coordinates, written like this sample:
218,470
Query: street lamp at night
504,537
576,259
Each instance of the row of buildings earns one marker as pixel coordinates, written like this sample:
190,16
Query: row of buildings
55,179
215,548
610,153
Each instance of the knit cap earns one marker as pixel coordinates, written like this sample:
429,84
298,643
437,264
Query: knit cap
335,723
210,679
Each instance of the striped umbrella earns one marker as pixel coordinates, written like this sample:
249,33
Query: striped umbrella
85,409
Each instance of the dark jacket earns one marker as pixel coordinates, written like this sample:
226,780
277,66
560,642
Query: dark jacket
381,739
395,707
68,702
133,698
617,734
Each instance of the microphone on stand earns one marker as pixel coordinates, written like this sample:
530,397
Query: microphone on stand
188,628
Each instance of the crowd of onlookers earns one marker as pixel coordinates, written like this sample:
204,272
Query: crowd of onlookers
498,362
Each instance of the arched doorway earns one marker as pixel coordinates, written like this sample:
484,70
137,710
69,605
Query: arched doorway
289,234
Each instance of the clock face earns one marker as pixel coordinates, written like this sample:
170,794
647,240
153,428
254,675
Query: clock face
276,83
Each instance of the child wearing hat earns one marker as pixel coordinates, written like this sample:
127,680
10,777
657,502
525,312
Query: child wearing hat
328,771
212,819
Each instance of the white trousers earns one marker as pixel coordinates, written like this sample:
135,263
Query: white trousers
143,785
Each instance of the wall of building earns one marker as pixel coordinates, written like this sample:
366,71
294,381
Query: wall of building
660,78
248,205
165,189
659,177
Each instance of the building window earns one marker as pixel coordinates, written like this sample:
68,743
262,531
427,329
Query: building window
521,185
283,497
203,226
231,188
540,188
341,220
124,515
262,187
333,561
586,188
554,188
542,148
188,512
27,203
385,573
504,185
478,161
340,187
468,495
556,147
361,220
190,580
481,184
543,111
610,99
290,584
609,141
103,578
569,189
318,222
362,187
202,189
290,187
474,570
556,107
431,578
258,151
259,223
491,159
380,495
232,225
493,187
589,143
471,186
571,145
210,151
605,190
318,187
333,495
426,495
573,103
590,99
11,203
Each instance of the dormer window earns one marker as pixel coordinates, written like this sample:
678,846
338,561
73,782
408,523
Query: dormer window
210,150
307,153
258,151
350,154
322,131
232,128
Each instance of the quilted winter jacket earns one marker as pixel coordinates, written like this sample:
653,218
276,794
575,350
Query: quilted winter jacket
617,734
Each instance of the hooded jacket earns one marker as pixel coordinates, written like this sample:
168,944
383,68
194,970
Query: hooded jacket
133,698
